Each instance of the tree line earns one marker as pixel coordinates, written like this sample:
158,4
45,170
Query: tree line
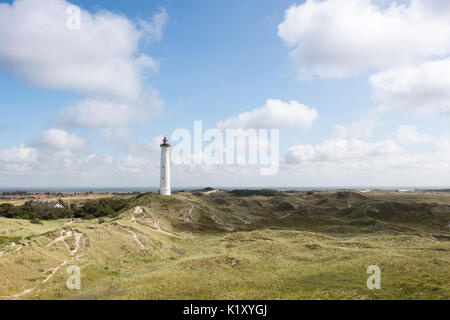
91,209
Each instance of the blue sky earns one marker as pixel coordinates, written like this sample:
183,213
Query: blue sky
215,60
218,58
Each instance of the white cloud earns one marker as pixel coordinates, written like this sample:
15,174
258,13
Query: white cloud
410,134
443,148
154,28
58,139
355,162
15,162
352,162
360,129
274,114
420,90
151,148
36,45
18,155
42,166
93,113
144,62
342,150
101,60
335,38
339,131
337,162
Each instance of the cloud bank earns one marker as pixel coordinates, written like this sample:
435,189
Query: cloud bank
274,114
100,60
334,38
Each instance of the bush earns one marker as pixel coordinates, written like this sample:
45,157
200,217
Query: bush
36,221
262,192
41,211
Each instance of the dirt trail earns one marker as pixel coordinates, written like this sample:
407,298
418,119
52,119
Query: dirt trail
68,223
73,253
78,236
26,291
227,228
18,295
158,228
63,237
153,221
139,210
54,270
134,236
19,247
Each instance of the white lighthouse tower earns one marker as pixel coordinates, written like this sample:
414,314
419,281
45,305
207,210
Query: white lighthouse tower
165,169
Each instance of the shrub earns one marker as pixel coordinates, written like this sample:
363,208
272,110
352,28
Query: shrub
41,211
262,192
36,221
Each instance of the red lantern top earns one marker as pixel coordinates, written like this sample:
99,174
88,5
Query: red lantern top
165,144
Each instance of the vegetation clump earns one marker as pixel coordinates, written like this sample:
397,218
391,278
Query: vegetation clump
37,211
294,246
262,192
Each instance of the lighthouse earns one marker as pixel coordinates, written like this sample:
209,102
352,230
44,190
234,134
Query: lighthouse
165,169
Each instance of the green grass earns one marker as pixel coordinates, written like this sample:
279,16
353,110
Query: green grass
268,264
24,228
8,240
319,251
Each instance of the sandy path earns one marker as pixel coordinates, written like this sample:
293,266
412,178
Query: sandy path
64,235
54,270
68,223
20,247
78,236
227,228
139,210
154,222
18,295
158,228
134,236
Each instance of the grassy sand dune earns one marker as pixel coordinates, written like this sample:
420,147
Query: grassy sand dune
220,245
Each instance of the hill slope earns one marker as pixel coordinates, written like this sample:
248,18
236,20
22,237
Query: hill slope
224,245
